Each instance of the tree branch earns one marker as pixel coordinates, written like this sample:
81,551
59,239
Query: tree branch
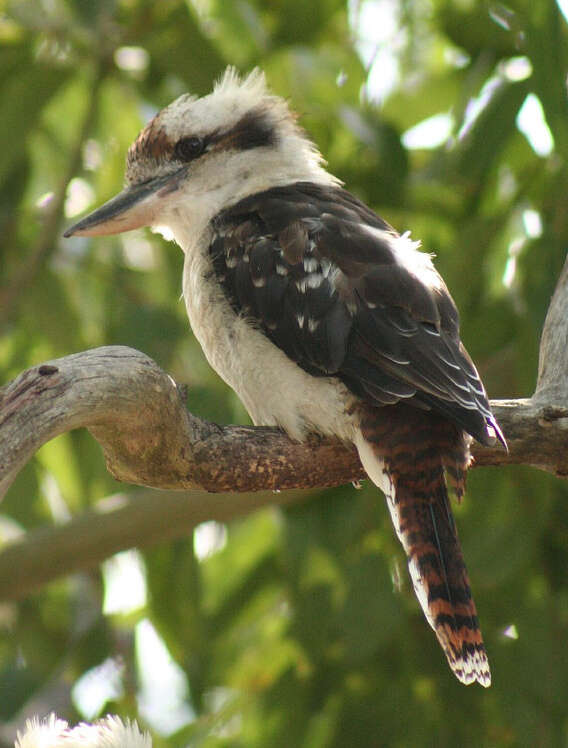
142,518
135,411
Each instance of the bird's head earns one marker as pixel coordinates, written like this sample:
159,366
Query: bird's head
198,156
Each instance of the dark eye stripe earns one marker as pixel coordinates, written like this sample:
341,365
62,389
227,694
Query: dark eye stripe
253,130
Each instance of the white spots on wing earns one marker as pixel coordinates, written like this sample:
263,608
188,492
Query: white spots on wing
259,282
231,261
351,307
300,319
314,226
313,280
246,257
328,269
281,269
371,304
313,324
310,264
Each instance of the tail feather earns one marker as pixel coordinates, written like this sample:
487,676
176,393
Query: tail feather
408,453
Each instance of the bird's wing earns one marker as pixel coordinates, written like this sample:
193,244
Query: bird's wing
341,293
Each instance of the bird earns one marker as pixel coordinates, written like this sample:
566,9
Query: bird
320,316
108,732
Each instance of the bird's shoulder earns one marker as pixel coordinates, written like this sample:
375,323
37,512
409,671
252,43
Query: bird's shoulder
362,257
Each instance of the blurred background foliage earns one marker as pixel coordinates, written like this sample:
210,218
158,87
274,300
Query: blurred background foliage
291,627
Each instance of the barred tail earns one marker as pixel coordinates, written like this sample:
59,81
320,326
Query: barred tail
406,453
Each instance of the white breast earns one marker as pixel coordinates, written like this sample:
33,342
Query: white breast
274,390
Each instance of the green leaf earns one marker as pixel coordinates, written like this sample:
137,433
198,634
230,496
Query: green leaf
22,98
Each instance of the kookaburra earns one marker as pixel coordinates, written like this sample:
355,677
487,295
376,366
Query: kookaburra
109,732
320,316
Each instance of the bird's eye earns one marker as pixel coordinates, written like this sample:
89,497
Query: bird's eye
187,149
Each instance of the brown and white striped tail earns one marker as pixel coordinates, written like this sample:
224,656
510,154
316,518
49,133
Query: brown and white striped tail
409,454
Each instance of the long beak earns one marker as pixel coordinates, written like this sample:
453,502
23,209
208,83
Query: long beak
132,208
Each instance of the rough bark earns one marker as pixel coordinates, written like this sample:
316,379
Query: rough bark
136,413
